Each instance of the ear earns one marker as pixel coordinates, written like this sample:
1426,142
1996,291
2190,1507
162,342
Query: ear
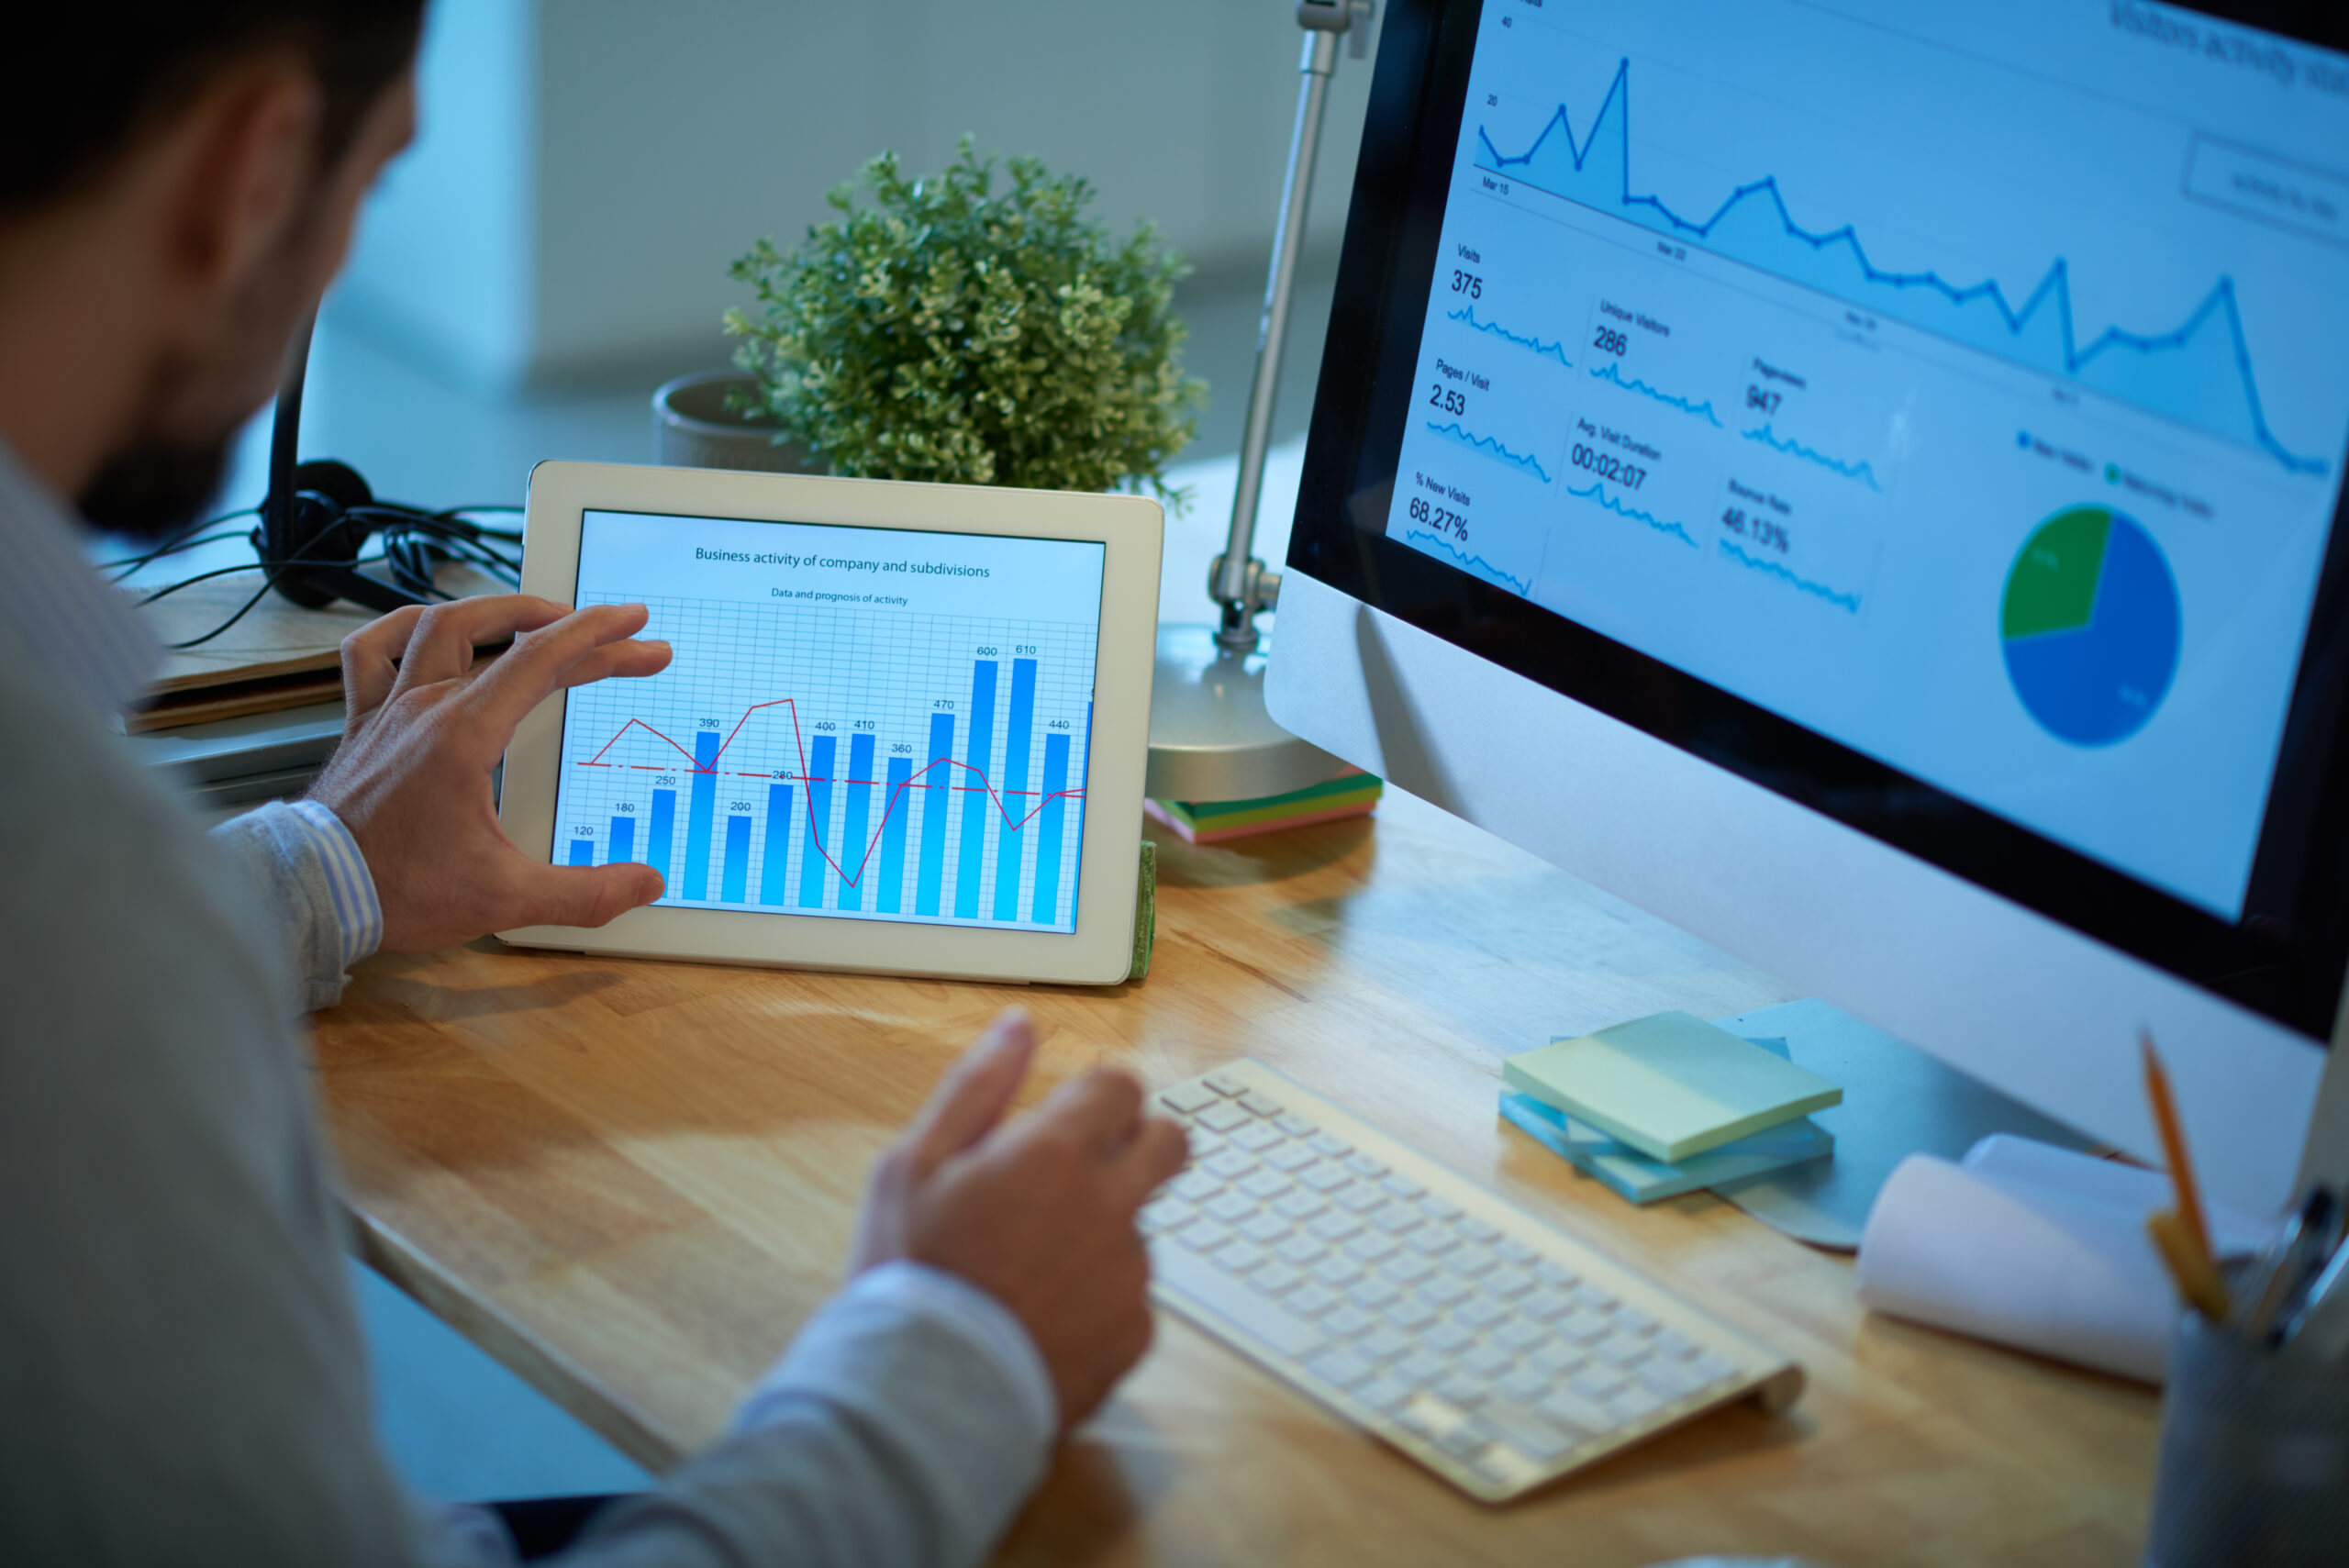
244,163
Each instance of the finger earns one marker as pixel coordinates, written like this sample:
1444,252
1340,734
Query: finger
370,660
632,659
1100,1110
534,667
977,1089
581,896
1153,1158
442,648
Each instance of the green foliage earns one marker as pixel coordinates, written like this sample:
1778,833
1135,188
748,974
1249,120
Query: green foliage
949,331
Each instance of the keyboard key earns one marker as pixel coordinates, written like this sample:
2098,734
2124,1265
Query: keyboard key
1585,1328
1230,1164
1526,1430
1395,1219
1409,1314
1294,1125
1512,1251
1674,1344
1630,1320
1263,1186
1290,1156
1507,1280
1554,1273
1342,1368
1275,1279
1189,1099
1256,1137
1231,1208
1323,1177
1225,1084
1371,1248
1372,1293
1200,1144
1443,1290
1710,1368
1195,1185
1597,1298
1487,1361
1406,1269
1466,1440
1439,1209
1520,1336
1299,1207
1238,1257
1358,1199
1382,1393
1450,1338
1168,1214
1470,1261
1261,1104
1304,1252
1379,1344
1343,1322
1420,1369
1203,1235
1544,1305
1559,1360
1634,1404
1667,1380
1337,1273
1223,1116
1401,1186
1330,1145
1368,1169
1306,1300
1482,1312
1333,1227
1265,1229
1573,1414
1621,1350
1597,1384
1430,1239
1524,1385
1476,1229
1463,1390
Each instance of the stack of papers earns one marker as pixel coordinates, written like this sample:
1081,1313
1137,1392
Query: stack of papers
1668,1104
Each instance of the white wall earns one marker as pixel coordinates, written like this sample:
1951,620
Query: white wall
588,167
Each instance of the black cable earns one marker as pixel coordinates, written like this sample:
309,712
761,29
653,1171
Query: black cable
175,542
297,561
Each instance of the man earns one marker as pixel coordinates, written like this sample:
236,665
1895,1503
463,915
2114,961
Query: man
181,1373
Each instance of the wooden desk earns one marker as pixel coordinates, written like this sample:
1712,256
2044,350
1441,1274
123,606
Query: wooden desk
633,1180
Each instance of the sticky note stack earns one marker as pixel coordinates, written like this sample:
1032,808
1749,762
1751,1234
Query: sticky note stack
1667,1104
1352,793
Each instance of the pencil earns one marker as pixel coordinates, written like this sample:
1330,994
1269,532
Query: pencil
2190,1266
2181,1168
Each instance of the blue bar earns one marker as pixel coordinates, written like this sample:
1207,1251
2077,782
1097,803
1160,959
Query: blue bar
778,845
896,804
856,854
934,780
977,752
661,836
737,880
812,869
582,851
623,840
1042,906
704,799
1018,804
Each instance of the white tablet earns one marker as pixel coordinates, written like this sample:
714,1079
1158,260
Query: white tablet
904,731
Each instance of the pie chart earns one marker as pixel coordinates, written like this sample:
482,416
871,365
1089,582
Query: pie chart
2090,624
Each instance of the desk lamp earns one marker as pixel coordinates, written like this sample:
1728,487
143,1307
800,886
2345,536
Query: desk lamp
1210,739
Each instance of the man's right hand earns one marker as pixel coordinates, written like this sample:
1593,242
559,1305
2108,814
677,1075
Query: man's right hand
1039,1212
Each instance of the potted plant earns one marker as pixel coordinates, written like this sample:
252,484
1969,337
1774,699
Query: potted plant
972,330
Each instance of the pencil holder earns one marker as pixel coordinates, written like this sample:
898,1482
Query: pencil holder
2254,1456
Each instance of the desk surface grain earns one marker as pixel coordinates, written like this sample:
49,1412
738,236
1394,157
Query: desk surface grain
633,1180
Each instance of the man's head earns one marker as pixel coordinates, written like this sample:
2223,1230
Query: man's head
178,183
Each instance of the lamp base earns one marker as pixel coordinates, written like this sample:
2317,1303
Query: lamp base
1210,737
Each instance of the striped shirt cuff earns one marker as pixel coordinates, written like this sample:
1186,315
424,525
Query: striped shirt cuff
349,884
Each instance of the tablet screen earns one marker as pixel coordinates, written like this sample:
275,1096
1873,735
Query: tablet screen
859,723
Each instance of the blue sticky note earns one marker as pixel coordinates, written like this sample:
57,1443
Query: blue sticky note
1642,1180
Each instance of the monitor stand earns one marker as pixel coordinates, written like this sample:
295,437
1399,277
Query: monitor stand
1898,1101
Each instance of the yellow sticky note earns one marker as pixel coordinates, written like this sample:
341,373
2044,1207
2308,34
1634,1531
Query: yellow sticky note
1670,1085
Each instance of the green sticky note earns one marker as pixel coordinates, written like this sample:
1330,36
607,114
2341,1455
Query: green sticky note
1669,1085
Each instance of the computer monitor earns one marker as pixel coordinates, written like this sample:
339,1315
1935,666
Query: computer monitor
1864,481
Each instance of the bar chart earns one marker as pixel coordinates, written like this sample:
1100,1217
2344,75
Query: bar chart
836,762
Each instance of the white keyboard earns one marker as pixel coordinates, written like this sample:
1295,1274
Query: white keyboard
1493,1349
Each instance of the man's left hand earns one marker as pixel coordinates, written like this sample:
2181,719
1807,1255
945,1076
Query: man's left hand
424,731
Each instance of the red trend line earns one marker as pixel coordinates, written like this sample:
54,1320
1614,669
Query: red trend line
800,743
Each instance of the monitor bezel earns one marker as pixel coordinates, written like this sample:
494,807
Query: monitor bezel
2285,959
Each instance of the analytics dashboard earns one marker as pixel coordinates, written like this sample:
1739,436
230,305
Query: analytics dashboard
1969,386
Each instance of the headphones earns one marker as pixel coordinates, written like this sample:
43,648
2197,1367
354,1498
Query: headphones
318,515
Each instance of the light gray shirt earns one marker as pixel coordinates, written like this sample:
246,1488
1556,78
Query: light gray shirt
181,1373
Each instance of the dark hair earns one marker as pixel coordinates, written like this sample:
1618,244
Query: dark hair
80,82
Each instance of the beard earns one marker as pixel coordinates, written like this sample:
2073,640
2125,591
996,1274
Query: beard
155,490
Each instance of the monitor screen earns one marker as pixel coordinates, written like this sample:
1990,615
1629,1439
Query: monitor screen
1938,414
858,723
